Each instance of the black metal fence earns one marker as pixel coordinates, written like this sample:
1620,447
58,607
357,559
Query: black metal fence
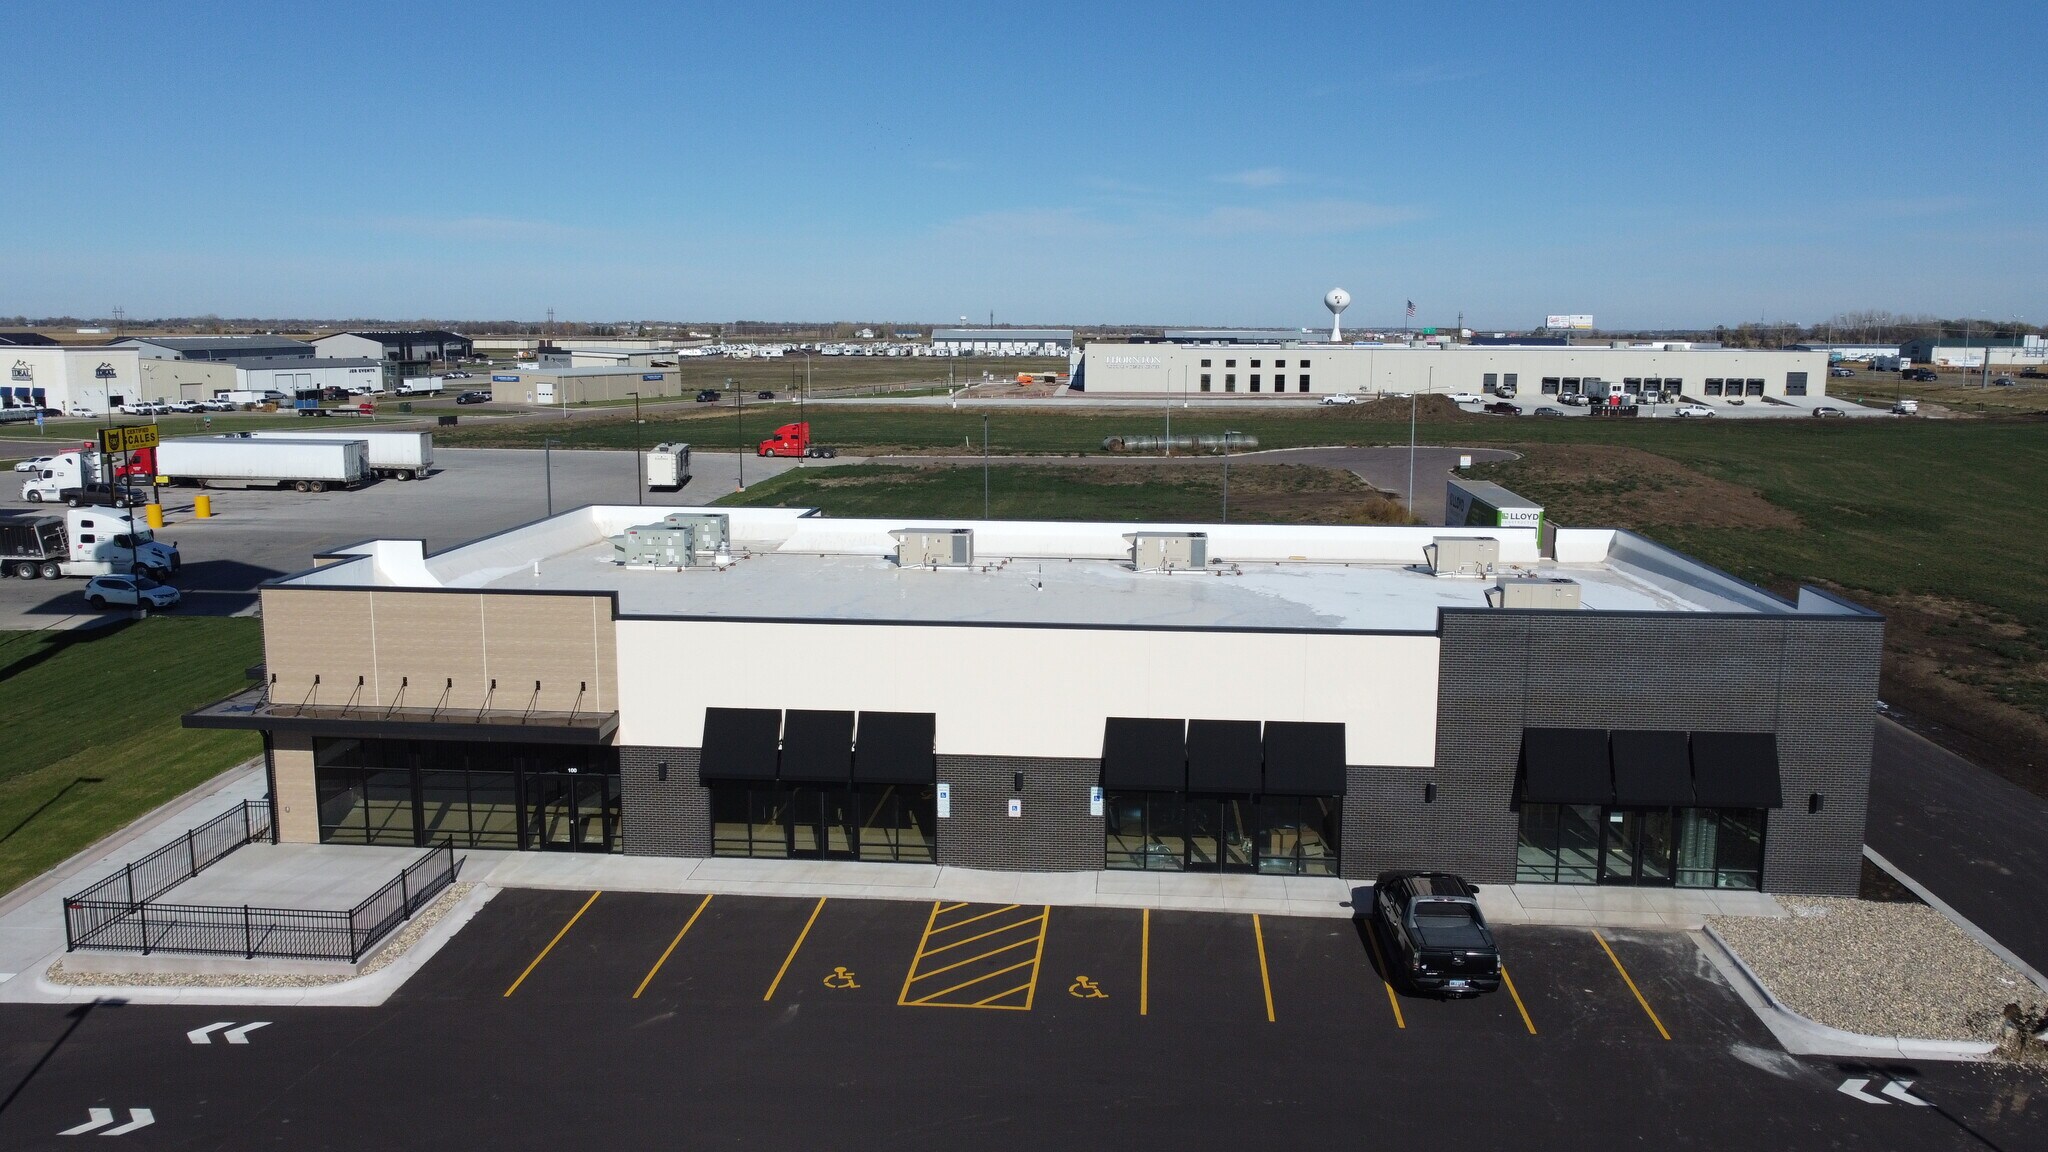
249,932
164,869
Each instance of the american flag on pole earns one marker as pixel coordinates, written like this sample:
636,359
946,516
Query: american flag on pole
1411,309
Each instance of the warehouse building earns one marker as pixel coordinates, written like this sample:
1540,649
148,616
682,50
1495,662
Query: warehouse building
1544,704
410,350
1002,341
214,347
1998,351
582,385
71,378
1713,376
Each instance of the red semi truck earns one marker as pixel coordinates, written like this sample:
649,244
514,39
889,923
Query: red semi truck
794,440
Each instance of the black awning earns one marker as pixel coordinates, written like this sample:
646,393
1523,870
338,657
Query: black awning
1651,770
1144,755
895,748
739,744
1566,766
1224,756
1304,759
1736,770
817,747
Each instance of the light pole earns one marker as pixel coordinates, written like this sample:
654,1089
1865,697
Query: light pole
984,465
1227,434
547,463
639,453
741,399
1169,410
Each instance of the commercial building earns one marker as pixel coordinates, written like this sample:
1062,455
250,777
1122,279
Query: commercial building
1002,341
410,350
214,347
553,357
1542,703
71,377
581,385
1710,375
2022,351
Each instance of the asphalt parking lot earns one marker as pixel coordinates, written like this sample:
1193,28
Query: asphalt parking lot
630,1020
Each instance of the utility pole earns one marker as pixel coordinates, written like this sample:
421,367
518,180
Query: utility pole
741,399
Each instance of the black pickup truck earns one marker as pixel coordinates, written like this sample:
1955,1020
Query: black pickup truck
1435,936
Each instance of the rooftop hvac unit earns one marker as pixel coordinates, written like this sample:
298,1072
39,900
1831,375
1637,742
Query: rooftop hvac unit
1168,551
714,531
656,546
1552,592
934,547
1463,555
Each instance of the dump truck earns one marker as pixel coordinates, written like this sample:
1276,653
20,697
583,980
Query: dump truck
81,542
794,440
242,461
393,455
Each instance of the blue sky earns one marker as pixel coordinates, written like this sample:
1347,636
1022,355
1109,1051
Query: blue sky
1192,163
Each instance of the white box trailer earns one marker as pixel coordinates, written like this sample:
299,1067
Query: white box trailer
668,466
393,455
242,461
420,386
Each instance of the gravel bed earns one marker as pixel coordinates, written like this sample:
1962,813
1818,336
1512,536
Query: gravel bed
399,945
1878,969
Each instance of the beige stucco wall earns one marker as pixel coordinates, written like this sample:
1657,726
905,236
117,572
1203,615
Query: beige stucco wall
411,649
298,805
184,379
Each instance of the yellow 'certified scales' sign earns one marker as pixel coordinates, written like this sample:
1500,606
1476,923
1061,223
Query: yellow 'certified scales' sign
128,439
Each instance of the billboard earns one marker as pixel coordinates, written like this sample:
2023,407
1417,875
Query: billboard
1575,322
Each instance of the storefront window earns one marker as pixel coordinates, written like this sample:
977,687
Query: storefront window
1173,832
1717,848
415,793
887,822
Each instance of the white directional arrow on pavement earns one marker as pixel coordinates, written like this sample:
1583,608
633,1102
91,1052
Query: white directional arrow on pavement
233,1035
1902,1091
96,1118
1855,1085
137,1118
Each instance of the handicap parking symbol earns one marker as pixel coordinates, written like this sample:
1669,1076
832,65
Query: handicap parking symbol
839,977
1085,989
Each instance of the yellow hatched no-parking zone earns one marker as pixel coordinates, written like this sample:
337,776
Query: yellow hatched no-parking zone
976,956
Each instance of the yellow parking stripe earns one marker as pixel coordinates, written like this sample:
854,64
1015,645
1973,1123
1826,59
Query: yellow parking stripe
948,908
1024,943
787,960
982,936
1519,1006
978,979
551,944
971,919
1632,986
1145,963
915,957
701,905
991,1001
1038,961
1265,980
1386,974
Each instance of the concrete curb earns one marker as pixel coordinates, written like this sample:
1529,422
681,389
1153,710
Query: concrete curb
1803,1036
1959,920
358,992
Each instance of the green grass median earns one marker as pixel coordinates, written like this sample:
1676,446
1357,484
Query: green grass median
93,739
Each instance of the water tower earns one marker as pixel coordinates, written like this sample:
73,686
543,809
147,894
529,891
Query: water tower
1336,300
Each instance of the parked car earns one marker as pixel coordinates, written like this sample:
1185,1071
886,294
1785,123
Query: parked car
1436,937
1572,399
2003,382
1828,410
709,396
1839,372
81,410
129,592
474,398
185,406
1694,410
1466,398
34,464
1503,408
1924,375
1906,406
455,376
217,406
1340,398
764,394
2033,373
1547,410
273,396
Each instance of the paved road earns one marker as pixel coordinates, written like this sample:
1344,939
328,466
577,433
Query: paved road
1972,838
613,1020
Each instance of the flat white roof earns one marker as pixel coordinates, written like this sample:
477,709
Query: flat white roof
788,564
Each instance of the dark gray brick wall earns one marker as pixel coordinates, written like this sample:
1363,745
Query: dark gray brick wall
1811,680
1055,833
663,817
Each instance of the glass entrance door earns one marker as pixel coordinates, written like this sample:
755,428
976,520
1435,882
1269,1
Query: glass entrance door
820,823
1220,834
1638,848
572,811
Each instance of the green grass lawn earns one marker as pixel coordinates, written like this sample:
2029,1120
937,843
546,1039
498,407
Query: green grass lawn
93,739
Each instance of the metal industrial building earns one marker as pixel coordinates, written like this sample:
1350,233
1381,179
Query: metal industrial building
64,378
239,347
1549,704
581,385
2021,351
1712,375
409,349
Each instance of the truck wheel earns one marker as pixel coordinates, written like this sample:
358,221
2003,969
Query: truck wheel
760,451
25,570
35,497
138,569
73,501
319,486
829,453
52,570
301,486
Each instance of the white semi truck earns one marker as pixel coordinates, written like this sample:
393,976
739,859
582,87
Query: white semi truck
393,455
83,477
242,461
668,466
82,542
